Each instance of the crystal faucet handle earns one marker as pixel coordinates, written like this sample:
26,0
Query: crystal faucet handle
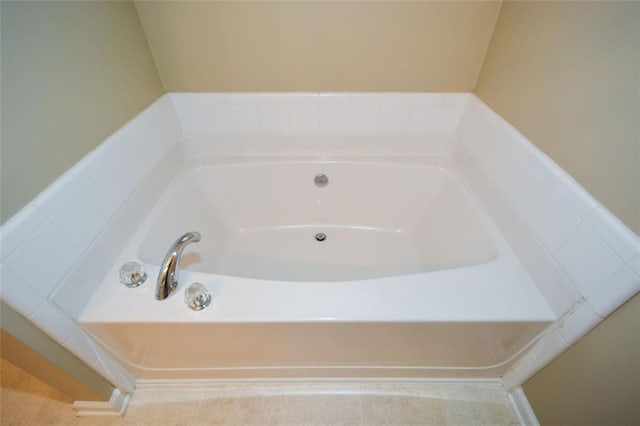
132,274
197,297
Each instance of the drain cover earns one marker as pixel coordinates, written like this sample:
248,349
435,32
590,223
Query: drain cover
321,236
321,180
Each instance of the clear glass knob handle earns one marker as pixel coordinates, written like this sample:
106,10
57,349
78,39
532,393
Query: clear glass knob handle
132,274
197,297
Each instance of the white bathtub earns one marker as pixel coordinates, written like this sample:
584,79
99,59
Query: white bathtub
412,280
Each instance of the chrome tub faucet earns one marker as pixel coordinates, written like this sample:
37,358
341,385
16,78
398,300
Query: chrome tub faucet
168,277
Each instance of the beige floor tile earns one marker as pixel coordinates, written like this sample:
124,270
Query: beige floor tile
320,410
476,413
401,410
53,412
14,411
478,404
500,414
99,421
282,410
176,414
27,401
242,410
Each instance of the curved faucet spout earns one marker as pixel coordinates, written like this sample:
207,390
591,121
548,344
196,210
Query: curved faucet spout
168,277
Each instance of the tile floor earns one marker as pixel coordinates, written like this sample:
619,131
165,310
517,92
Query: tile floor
28,401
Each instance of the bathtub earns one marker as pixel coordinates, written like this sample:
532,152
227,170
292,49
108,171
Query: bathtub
412,279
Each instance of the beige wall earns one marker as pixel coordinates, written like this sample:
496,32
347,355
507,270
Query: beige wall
566,74
597,381
71,74
318,46
30,349
20,355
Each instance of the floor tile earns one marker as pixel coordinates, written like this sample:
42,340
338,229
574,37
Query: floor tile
99,421
401,410
320,410
469,413
27,401
168,414
242,410
14,411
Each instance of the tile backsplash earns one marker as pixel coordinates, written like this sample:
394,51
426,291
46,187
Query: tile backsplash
328,113
56,250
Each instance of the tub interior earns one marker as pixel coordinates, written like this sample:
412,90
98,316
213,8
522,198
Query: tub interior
259,219
412,280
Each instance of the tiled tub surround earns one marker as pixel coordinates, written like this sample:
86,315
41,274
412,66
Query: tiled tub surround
583,259
57,250
323,113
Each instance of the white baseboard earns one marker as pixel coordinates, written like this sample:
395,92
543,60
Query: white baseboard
116,405
204,383
521,404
